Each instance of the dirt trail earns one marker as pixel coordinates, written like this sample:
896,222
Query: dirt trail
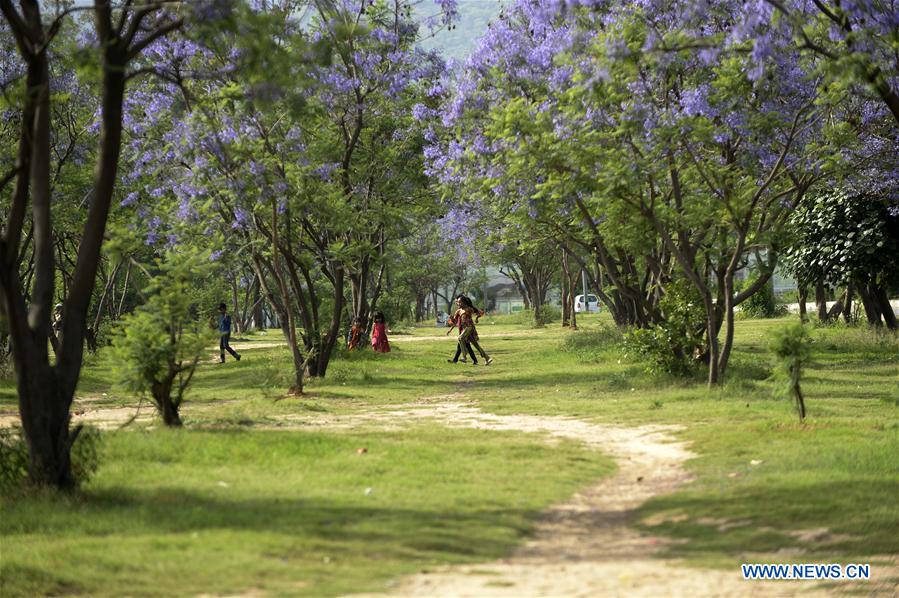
584,546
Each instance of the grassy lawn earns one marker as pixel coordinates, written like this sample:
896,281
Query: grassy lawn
193,511
231,503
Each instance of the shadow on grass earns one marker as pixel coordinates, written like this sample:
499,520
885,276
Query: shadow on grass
397,532
782,516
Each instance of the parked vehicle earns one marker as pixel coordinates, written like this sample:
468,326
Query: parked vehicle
592,306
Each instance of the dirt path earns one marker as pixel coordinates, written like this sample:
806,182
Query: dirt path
586,545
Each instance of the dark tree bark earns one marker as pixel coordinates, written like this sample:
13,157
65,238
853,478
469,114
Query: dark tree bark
821,301
882,300
869,303
803,297
258,313
847,306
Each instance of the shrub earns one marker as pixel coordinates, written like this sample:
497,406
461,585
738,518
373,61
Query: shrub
549,313
85,457
592,345
159,345
763,303
675,344
791,347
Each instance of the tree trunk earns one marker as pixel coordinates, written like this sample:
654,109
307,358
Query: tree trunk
872,310
880,297
235,306
258,314
170,415
419,307
565,279
803,297
44,397
847,306
330,341
724,358
572,292
712,331
45,423
834,312
821,301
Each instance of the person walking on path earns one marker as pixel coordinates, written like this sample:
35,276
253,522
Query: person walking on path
472,315
458,320
379,335
225,332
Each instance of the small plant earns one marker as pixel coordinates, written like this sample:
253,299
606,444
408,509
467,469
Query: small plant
14,457
791,346
159,345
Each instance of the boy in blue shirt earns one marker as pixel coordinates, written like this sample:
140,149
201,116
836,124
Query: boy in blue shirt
225,331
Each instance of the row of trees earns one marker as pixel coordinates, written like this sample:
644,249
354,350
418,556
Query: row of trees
274,137
670,141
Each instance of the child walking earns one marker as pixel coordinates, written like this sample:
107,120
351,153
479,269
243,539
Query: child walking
225,332
379,335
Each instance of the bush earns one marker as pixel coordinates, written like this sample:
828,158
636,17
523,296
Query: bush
675,344
791,347
549,313
592,345
762,303
85,456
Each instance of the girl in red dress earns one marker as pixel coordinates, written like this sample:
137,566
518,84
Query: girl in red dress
379,334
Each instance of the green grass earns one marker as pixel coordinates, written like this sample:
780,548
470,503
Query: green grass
294,518
191,511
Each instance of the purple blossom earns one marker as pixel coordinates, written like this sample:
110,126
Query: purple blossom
326,171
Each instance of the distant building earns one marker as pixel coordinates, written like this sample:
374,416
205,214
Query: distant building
503,296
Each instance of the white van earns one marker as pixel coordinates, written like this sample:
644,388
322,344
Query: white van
592,306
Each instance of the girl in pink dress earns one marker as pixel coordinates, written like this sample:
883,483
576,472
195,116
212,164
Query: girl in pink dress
379,334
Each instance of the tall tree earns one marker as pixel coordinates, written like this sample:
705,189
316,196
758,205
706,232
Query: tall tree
45,389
